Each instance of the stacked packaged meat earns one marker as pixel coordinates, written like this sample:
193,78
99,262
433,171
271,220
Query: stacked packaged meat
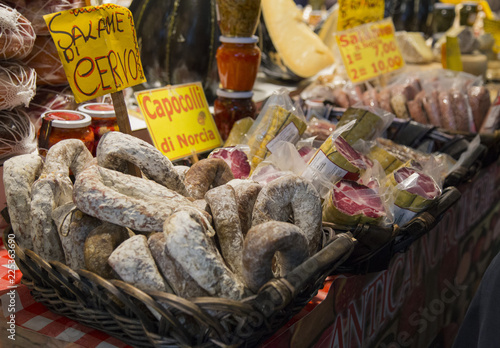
442,98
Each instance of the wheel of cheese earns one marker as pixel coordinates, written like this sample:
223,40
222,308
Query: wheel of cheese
17,85
17,36
45,60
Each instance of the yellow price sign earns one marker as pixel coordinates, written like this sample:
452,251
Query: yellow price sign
98,49
369,50
178,120
357,12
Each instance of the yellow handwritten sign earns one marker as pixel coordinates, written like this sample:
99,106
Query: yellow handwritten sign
178,120
369,50
98,49
357,12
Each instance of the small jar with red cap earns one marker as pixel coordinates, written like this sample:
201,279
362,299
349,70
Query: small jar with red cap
65,124
238,61
230,107
103,119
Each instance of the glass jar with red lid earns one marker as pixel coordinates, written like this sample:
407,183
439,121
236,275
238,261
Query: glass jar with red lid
238,61
103,119
65,124
230,107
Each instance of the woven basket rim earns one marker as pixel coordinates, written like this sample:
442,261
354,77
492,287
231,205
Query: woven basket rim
63,290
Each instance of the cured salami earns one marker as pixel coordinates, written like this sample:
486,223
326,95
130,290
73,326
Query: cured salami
115,149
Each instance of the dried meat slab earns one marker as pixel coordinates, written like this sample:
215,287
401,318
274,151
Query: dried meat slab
350,203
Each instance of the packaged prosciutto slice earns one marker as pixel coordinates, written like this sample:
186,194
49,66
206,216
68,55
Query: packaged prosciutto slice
350,203
413,190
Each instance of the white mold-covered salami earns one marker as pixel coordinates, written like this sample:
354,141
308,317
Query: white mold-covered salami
47,194
263,242
291,193
181,171
125,200
66,155
246,194
133,262
222,202
73,227
179,280
189,245
115,149
20,173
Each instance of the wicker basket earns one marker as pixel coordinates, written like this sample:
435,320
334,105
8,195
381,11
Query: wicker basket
158,319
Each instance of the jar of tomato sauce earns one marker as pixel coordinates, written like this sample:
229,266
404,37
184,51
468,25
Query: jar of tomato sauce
103,119
230,107
238,61
66,124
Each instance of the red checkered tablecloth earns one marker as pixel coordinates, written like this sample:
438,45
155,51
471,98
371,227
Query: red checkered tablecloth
17,300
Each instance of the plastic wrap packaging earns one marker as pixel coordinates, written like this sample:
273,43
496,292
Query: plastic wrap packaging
387,161
456,113
17,134
492,120
350,203
414,190
306,148
370,98
442,162
328,165
237,134
344,162
278,120
480,103
404,89
34,10
284,160
319,128
45,60
442,98
17,85
236,158
17,36
370,123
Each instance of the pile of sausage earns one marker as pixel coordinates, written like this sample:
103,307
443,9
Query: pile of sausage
190,231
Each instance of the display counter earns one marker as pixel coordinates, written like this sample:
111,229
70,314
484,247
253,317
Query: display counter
420,299
424,294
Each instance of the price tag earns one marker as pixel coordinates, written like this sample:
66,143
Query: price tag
357,12
178,120
98,49
369,50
